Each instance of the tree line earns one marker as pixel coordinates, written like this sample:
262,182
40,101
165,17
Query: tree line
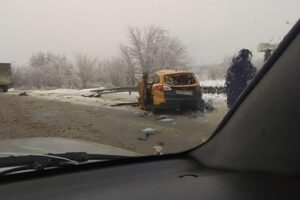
147,50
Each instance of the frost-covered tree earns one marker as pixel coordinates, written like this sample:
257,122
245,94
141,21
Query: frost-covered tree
113,71
85,68
49,70
153,49
128,65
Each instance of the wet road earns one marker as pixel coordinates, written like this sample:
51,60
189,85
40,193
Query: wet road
27,116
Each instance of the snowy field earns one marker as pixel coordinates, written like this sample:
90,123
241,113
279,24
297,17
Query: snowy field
75,96
218,83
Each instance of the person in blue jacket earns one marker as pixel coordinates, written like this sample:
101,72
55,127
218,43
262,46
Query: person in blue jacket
239,74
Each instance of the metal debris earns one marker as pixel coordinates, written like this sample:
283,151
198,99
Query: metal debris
167,120
133,104
92,95
147,133
148,130
158,150
146,114
161,117
23,94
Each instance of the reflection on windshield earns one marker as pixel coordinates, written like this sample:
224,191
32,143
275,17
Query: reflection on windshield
129,82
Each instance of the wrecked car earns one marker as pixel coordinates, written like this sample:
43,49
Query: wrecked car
170,89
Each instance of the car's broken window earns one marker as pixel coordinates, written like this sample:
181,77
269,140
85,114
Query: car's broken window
182,79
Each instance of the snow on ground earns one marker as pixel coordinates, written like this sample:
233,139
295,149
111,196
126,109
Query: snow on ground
219,83
217,98
75,96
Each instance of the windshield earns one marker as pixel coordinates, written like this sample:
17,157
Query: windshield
128,78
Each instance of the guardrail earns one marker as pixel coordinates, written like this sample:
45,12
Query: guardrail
204,89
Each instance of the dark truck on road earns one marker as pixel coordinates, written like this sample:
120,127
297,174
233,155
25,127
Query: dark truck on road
5,76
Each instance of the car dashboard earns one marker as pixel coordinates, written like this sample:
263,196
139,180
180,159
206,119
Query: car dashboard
174,178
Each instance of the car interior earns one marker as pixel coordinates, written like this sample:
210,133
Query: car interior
253,154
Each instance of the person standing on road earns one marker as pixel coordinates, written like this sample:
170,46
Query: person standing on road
239,74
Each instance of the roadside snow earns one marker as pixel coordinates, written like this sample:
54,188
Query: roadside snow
219,83
216,98
74,96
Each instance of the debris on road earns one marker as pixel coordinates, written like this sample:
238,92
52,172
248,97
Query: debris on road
147,133
133,104
158,150
162,117
195,114
143,138
23,94
92,95
167,120
148,130
45,113
146,114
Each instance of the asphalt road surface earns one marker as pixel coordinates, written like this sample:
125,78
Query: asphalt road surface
28,116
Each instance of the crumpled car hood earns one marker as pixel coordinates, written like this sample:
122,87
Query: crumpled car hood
45,145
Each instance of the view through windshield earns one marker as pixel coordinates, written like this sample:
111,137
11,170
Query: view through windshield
128,77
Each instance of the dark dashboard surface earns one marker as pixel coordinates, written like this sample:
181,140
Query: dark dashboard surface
163,179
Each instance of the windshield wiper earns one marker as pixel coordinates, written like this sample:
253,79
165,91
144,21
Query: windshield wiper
38,162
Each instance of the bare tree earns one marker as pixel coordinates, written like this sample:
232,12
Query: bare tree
154,49
85,69
48,69
113,70
148,50
129,65
172,55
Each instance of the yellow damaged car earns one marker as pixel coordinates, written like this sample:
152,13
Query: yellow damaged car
170,89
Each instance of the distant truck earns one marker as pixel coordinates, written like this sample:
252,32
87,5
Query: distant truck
5,76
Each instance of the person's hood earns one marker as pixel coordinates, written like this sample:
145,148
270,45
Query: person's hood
45,145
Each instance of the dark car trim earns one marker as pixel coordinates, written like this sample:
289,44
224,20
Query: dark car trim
284,44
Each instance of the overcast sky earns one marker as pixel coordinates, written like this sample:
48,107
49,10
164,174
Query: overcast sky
210,29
